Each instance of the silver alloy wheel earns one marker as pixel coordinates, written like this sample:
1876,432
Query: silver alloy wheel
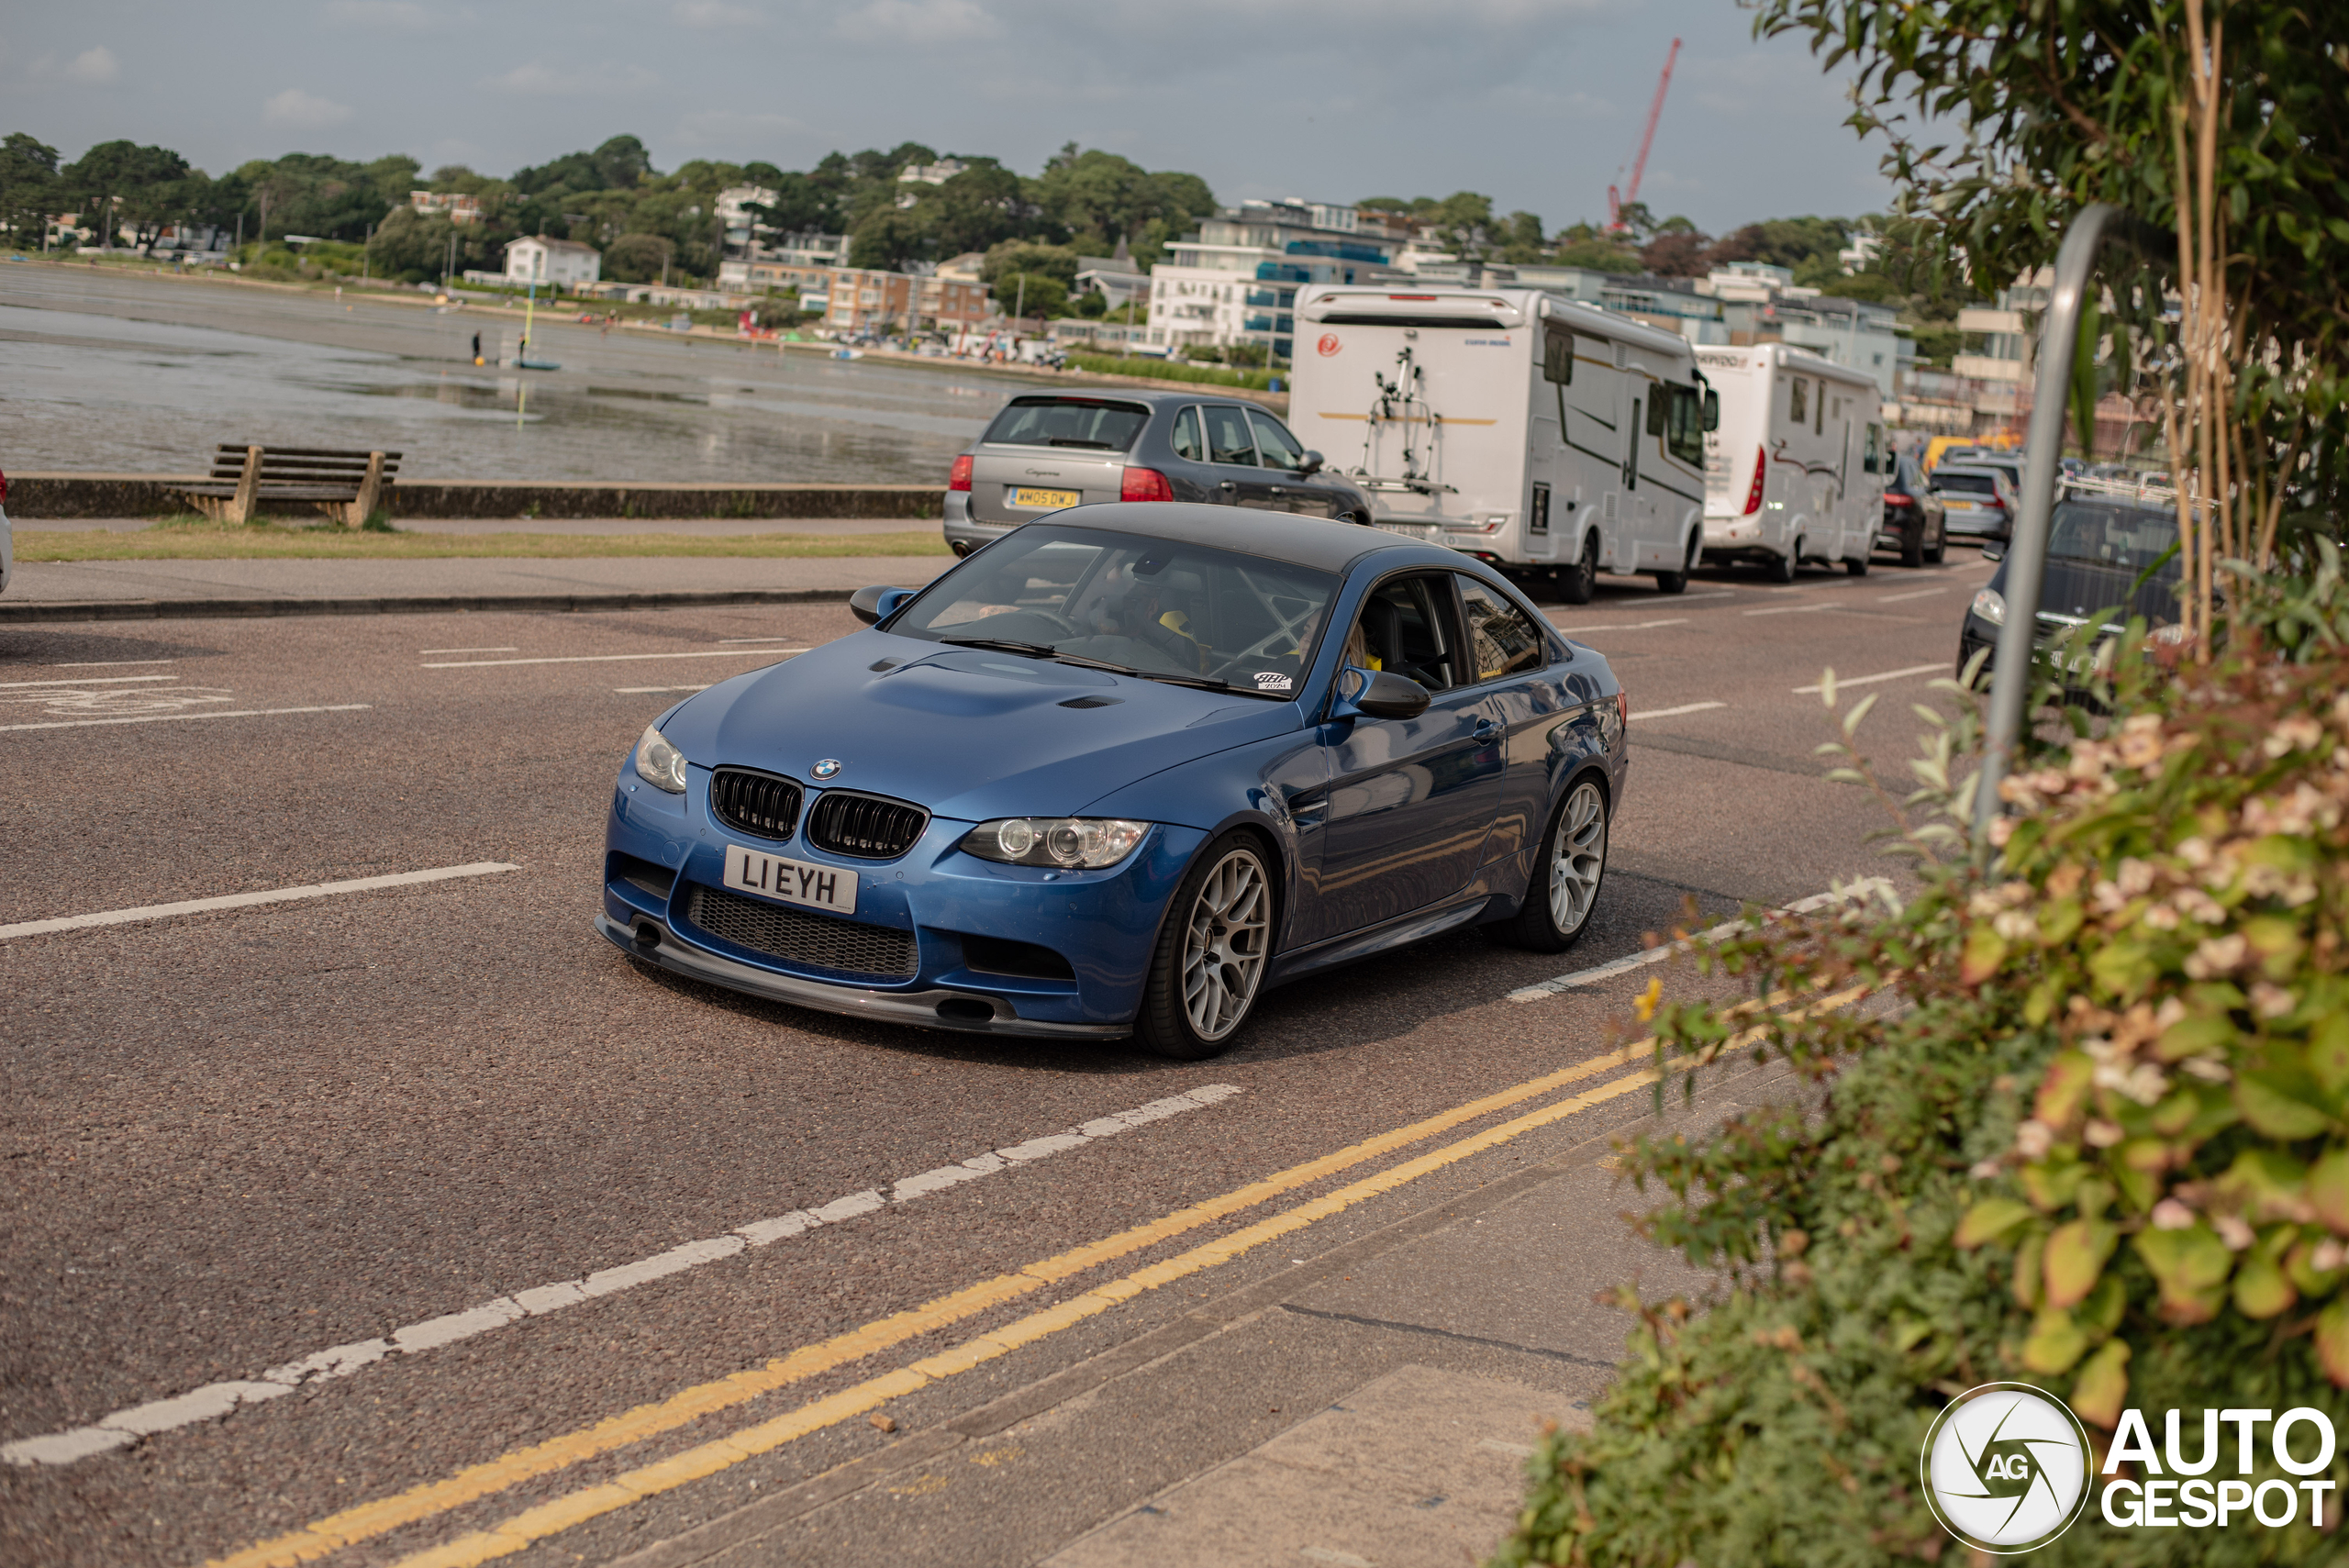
1578,857
1224,944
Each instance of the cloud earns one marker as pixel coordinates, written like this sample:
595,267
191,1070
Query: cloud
93,67
295,110
545,81
717,14
917,22
382,16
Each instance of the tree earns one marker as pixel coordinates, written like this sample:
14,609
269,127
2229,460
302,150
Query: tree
637,258
800,206
1520,239
30,188
1032,293
887,237
119,182
1015,256
976,209
1678,250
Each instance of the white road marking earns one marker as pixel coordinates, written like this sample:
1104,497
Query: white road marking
84,681
636,691
612,658
168,718
1716,593
215,1400
1913,593
243,900
1630,626
1843,680
1792,609
110,663
735,639
1677,712
427,651
1866,887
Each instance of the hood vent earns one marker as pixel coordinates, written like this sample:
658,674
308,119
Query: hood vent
866,826
761,805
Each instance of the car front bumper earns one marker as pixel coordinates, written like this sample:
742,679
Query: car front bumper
941,902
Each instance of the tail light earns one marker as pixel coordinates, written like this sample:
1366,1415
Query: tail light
959,476
1894,498
1622,708
1761,472
1145,484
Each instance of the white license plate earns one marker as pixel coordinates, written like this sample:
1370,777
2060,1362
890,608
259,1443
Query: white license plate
762,875
1410,530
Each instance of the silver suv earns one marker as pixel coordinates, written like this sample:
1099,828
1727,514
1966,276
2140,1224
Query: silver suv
1048,450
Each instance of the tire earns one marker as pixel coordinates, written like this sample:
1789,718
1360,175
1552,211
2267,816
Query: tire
1857,565
1941,545
1912,547
1678,581
1568,872
1578,582
1781,568
1212,948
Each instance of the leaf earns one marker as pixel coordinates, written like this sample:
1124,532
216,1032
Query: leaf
2063,1089
2026,1280
1990,1219
2333,1340
2102,1388
2122,968
2206,1035
2074,1257
2192,1266
2329,1189
2277,1103
2328,1054
2260,1288
1985,950
2059,922
2056,1342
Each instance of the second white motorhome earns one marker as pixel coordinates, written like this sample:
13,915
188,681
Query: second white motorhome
1795,471
1541,434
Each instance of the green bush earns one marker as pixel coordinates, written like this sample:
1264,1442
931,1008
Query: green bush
2098,1142
1168,370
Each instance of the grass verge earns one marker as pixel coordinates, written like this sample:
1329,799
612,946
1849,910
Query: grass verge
174,541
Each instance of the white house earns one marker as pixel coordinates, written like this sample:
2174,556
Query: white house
564,262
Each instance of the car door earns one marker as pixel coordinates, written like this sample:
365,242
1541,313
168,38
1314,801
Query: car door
1284,462
1409,799
1506,650
1239,480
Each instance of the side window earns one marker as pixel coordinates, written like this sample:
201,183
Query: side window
1557,355
1187,443
1405,627
1500,638
1278,448
1800,410
1227,437
1872,453
1658,395
1685,432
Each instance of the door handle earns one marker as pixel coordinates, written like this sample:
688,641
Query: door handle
1278,490
1487,728
1227,484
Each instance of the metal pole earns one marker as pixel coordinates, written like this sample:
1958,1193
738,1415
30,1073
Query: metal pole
2059,333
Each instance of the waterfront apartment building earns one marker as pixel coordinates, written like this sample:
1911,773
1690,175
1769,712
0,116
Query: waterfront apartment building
562,263
458,206
1235,282
855,300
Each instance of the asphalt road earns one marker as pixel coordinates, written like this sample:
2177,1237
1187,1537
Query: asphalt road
238,1138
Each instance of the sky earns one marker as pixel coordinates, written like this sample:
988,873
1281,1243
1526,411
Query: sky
1538,104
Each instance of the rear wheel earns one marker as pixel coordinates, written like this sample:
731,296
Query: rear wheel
1913,545
1941,544
1857,565
1578,582
1782,568
1564,888
1211,952
1678,581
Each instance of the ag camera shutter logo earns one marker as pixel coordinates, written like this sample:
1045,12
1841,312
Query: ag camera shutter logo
2007,1468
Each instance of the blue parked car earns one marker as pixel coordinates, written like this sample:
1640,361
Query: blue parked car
1118,772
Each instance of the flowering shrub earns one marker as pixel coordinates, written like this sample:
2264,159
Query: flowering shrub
2088,1131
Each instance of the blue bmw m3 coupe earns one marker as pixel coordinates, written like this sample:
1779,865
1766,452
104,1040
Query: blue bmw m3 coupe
1118,772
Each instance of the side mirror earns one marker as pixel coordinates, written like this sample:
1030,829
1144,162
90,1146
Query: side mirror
1381,693
1994,552
1311,465
870,605
1712,411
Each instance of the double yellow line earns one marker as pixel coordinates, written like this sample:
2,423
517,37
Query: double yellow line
513,1534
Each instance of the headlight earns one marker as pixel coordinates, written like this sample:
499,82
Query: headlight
1069,843
659,763
1991,605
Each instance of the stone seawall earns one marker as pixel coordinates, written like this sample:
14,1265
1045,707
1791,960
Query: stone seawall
51,496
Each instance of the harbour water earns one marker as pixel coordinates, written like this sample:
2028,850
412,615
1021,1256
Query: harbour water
101,371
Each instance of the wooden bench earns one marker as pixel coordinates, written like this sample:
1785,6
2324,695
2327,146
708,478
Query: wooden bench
348,487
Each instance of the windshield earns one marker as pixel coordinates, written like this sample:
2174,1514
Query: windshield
2106,533
1068,422
1148,606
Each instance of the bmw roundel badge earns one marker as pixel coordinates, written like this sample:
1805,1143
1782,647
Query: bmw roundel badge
827,768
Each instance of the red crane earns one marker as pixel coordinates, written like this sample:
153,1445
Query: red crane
1616,202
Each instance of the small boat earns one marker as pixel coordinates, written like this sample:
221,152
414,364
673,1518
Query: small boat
536,365
848,353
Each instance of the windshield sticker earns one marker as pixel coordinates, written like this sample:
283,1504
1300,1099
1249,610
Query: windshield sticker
1271,681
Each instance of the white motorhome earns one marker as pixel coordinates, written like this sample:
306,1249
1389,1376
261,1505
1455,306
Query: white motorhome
1541,434
1794,472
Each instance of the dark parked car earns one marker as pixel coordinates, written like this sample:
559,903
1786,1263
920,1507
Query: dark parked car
1914,523
2108,558
1977,502
1049,451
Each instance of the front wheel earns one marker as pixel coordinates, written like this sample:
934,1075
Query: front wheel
1941,544
1564,888
1211,952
